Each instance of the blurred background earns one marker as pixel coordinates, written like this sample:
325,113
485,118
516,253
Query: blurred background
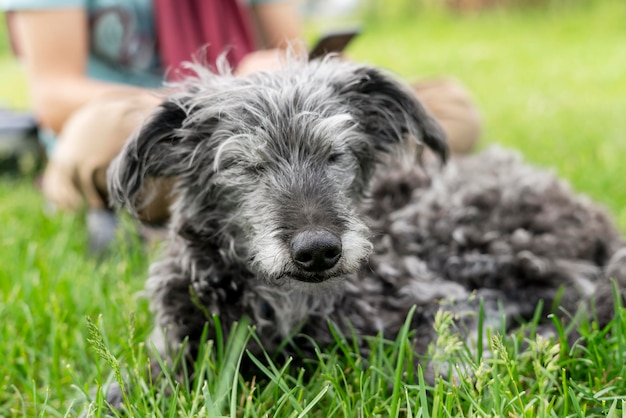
548,75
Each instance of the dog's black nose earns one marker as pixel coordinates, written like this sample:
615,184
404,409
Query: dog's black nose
315,250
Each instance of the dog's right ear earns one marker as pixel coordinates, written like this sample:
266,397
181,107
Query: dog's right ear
159,148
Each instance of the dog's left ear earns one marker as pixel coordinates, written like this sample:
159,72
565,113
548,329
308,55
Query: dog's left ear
388,110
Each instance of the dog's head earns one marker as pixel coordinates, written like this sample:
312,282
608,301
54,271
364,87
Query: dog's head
271,167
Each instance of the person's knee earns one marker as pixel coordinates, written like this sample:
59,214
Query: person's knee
453,107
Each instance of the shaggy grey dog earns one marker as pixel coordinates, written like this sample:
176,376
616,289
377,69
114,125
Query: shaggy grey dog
294,209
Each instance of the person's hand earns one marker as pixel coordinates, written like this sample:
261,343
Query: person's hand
263,60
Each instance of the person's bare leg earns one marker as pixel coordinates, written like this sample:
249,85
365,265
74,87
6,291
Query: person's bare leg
453,107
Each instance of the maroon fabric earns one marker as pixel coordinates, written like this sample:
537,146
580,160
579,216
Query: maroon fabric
186,26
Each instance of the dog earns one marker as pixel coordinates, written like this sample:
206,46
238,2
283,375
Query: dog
295,207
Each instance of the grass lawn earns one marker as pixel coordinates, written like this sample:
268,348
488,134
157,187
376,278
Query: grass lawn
549,82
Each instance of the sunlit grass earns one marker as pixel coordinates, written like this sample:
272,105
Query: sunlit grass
549,83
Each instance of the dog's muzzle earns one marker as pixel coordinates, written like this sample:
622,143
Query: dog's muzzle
315,252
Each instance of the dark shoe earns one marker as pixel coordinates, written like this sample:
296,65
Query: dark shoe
102,226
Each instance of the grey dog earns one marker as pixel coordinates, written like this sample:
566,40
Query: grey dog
293,209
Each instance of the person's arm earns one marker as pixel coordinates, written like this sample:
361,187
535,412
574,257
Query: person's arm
279,26
54,48
278,22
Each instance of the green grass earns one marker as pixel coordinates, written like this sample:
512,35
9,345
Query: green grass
12,80
13,84
549,82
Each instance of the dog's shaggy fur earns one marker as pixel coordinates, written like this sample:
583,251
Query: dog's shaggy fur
292,209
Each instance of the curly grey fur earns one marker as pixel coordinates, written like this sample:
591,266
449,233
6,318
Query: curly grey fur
260,158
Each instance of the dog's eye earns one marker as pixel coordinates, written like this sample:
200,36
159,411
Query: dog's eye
335,157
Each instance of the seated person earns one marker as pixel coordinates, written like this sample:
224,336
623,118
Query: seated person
94,68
